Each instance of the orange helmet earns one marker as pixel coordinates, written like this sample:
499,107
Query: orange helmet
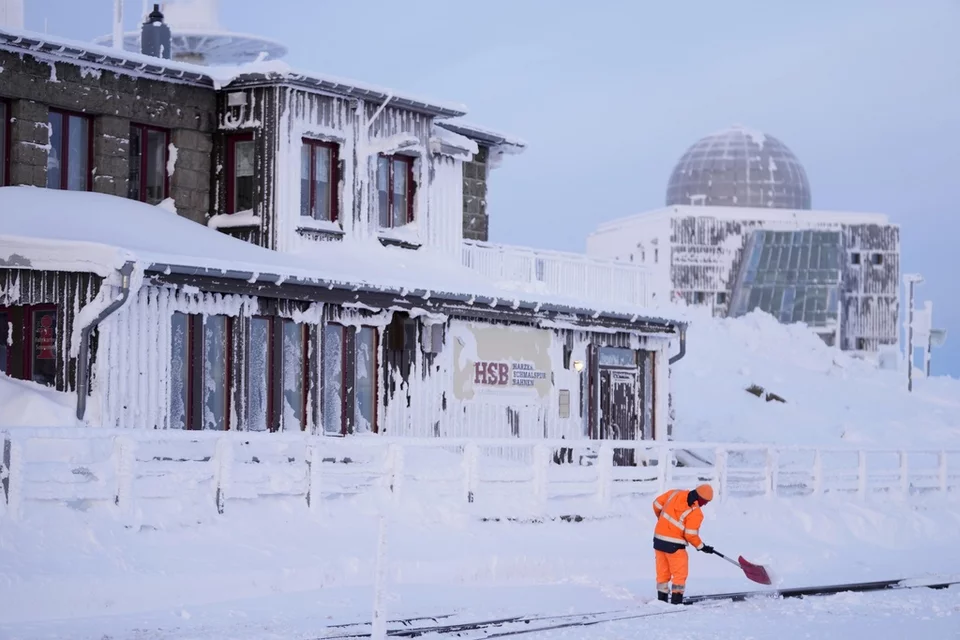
705,492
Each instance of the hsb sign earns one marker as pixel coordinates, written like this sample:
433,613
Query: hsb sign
495,374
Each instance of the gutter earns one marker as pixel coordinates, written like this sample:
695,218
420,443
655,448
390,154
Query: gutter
683,344
83,357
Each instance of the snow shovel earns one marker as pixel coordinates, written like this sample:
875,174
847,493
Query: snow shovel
755,572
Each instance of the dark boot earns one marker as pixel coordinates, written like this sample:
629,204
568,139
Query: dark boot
676,597
661,596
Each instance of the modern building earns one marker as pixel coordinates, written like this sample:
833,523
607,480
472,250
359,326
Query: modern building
277,250
738,234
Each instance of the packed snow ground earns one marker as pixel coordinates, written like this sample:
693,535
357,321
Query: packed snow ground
831,397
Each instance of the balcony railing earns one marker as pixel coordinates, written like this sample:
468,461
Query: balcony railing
570,275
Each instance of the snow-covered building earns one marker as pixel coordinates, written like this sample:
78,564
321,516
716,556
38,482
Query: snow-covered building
266,249
738,234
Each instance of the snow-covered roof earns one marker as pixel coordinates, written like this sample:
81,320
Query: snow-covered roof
484,136
54,230
747,214
56,49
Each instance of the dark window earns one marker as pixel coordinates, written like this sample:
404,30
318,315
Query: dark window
278,374
861,344
876,259
365,414
260,374
6,341
318,180
69,158
29,343
241,160
722,297
699,297
349,367
296,379
43,345
201,380
395,189
4,145
334,371
148,164
854,258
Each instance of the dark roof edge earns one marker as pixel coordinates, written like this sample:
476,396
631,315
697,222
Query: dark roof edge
255,282
483,136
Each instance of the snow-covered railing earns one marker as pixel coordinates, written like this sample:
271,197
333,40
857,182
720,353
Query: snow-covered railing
494,478
571,275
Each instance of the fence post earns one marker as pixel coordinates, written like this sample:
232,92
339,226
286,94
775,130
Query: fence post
942,471
605,475
378,629
314,478
720,464
817,472
772,471
223,457
904,474
395,469
471,464
862,474
125,453
13,462
663,468
541,464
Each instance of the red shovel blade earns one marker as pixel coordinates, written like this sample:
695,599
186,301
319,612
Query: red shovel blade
755,572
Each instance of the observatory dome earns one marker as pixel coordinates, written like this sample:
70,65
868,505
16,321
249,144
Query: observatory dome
739,167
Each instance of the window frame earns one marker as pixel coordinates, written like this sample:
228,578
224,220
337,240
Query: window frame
8,311
411,189
144,146
314,144
231,174
277,338
65,157
196,370
6,128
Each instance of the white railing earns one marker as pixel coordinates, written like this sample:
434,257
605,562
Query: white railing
496,478
570,275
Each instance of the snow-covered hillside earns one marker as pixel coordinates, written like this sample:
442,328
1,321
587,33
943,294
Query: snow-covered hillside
831,397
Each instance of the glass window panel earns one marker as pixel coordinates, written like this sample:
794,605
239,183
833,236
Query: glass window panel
215,372
765,295
400,193
754,301
179,370
293,367
332,365
156,167
43,352
804,257
243,176
775,300
785,312
764,258
305,164
78,150
55,155
3,147
794,258
6,341
366,383
784,257
618,356
136,154
322,186
383,190
258,375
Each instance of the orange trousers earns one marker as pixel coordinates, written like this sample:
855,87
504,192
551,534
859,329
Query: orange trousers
672,567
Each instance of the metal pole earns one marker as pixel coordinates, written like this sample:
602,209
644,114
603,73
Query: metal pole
910,337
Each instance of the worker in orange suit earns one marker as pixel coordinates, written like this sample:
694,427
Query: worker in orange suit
678,523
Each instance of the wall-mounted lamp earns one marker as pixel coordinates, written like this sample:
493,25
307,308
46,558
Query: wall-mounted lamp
578,365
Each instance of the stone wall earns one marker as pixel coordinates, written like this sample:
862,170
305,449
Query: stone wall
114,101
476,224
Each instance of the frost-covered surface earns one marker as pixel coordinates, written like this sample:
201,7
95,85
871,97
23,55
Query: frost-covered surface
183,571
61,230
28,404
831,396
233,220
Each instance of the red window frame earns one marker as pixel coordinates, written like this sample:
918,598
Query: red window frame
144,146
411,188
8,311
304,368
7,128
65,153
232,141
334,176
196,366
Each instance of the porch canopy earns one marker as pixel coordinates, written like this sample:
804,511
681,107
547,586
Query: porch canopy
52,230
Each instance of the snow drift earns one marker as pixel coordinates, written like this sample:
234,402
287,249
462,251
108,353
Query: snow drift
830,396
28,404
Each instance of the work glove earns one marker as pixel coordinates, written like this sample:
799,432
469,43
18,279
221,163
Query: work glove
706,548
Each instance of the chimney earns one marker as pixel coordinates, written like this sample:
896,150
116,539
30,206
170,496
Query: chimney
155,38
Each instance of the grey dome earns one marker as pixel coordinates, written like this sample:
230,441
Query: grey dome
739,167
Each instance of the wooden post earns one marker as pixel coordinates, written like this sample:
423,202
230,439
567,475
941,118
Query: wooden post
772,472
124,449
314,477
904,475
13,461
395,470
942,471
541,465
605,475
720,464
663,468
224,462
471,464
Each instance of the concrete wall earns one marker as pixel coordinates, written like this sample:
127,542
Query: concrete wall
113,101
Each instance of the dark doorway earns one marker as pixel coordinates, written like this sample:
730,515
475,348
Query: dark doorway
619,419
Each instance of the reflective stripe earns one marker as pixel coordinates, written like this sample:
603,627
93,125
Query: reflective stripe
657,505
678,588
671,520
663,587
700,547
683,516
692,532
669,539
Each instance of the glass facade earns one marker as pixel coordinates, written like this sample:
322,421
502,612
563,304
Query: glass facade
793,275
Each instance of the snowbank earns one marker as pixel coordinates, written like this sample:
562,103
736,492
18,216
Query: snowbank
831,397
28,404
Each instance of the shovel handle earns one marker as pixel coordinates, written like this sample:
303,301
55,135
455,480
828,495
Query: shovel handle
730,560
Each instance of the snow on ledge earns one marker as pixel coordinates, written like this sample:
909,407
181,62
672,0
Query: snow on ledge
234,220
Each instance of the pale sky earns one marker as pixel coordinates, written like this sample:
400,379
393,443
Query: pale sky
609,94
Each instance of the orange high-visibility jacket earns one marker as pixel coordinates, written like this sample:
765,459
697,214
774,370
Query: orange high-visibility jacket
678,523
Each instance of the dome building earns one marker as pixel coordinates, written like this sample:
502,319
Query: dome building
739,167
738,234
